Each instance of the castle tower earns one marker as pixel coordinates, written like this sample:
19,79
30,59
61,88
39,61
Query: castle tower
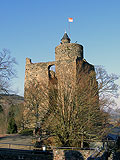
67,50
68,56
69,65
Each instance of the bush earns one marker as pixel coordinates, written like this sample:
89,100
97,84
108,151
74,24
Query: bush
26,132
1,109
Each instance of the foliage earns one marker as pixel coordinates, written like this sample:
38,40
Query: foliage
17,111
1,109
11,104
12,127
26,132
3,125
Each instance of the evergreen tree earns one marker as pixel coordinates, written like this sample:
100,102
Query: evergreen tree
12,127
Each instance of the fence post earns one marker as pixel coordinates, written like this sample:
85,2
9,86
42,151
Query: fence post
9,145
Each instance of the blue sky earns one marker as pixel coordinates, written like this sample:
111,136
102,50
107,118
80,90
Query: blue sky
33,28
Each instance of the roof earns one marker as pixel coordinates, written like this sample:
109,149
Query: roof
65,36
111,137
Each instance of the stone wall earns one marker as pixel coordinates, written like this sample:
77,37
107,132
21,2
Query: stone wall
56,154
36,71
60,154
66,73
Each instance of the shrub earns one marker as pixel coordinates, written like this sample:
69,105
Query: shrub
26,132
1,109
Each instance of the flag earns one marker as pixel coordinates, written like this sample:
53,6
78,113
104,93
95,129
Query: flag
70,19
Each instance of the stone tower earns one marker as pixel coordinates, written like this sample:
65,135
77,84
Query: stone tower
66,55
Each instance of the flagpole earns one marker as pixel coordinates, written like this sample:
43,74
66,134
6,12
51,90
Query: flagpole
69,21
69,28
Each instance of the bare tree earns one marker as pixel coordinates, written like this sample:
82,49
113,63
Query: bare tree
7,70
108,89
73,114
36,103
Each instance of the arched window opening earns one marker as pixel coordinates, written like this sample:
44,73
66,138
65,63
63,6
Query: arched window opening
52,75
51,71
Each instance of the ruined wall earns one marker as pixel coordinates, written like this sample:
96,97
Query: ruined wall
36,95
36,71
60,154
65,66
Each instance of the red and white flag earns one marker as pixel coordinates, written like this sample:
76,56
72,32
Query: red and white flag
70,19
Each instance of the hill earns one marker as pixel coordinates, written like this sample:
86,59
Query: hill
8,99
